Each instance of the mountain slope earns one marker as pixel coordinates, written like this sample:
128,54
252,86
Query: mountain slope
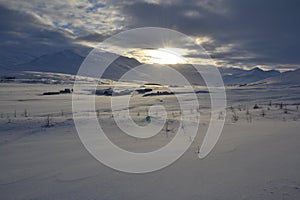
65,61
291,78
239,76
69,61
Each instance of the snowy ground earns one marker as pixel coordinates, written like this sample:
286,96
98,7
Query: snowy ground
257,156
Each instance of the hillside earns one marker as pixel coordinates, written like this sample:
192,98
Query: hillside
239,76
69,61
291,78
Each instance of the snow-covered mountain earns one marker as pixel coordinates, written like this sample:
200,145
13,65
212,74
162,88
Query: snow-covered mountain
69,61
66,61
120,66
233,76
291,78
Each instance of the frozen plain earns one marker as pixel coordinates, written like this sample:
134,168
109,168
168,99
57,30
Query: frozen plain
252,160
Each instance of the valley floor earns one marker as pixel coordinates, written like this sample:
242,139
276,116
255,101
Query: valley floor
257,159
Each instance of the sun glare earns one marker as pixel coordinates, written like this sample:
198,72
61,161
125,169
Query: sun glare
161,56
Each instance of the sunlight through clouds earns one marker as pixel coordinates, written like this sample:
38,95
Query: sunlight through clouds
160,56
230,31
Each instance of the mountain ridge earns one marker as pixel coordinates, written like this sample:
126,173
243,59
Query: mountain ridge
68,61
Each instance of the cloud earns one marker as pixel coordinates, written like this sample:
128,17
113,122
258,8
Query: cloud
259,32
75,16
235,33
24,36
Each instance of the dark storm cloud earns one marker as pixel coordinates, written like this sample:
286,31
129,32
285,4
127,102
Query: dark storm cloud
93,37
259,32
23,36
240,32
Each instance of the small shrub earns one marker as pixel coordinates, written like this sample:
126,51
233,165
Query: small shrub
173,115
281,106
197,150
232,109
221,115
240,108
247,112
48,121
25,113
255,106
235,117
249,118
8,119
263,113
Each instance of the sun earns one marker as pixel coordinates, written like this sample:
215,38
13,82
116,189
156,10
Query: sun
161,56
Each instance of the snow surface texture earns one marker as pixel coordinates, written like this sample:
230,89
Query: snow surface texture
257,156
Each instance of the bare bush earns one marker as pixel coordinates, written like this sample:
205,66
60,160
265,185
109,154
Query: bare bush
8,118
240,107
248,116
263,113
281,106
25,114
235,117
221,115
270,103
247,112
197,150
48,121
285,111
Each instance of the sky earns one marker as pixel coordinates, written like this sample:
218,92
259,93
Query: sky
235,33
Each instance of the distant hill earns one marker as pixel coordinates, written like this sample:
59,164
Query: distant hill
69,61
65,61
291,78
234,76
